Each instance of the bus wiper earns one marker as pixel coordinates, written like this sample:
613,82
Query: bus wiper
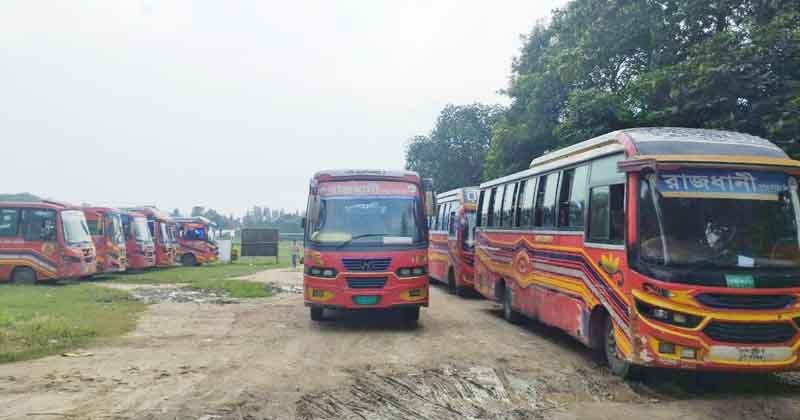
365,235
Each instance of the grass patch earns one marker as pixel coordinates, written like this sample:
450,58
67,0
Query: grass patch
36,321
233,288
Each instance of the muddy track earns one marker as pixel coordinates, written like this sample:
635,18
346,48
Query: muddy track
264,359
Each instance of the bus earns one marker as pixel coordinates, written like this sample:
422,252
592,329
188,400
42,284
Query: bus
162,230
41,241
139,246
366,241
105,226
197,240
664,247
451,255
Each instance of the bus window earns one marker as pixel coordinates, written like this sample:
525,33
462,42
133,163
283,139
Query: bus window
508,205
605,172
482,205
497,210
572,197
38,225
525,219
519,196
451,226
9,221
490,208
607,214
546,200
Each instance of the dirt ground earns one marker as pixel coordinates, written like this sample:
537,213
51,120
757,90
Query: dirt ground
216,359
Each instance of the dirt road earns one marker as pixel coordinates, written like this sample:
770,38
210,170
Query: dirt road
264,359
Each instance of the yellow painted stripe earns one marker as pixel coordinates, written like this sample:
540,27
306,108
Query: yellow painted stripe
37,267
728,315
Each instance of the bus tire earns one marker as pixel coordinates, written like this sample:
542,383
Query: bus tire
317,313
509,313
23,275
616,364
188,260
411,314
451,283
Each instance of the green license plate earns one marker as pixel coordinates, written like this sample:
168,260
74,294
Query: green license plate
366,300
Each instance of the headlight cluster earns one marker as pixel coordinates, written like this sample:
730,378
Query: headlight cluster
668,316
321,272
411,272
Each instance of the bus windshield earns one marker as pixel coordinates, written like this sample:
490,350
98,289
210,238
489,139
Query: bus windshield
469,230
76,231
164,232
366,220
115,231
140,230
733,233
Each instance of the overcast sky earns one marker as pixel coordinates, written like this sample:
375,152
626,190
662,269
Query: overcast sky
229,104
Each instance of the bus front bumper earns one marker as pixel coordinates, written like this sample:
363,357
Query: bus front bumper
335,294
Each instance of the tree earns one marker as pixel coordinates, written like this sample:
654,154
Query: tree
600,66
198,211
176,213
454,152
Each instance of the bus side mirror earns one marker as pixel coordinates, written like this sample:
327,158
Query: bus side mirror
429,203
303,222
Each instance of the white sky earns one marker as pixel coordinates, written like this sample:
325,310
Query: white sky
229,104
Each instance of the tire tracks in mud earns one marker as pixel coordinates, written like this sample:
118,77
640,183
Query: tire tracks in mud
429,394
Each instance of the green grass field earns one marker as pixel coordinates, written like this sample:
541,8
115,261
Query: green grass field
41,320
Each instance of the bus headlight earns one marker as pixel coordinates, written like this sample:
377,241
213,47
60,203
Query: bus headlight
679,319
411,272
320,272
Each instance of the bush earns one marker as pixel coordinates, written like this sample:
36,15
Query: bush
234,253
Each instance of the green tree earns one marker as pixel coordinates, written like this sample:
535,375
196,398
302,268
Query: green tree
603,65
454,152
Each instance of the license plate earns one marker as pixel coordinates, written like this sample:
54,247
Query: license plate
752,354
317,293
366,300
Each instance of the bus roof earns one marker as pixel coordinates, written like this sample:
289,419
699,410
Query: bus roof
453,193
355,174
44,204
194,219
661,144
102,209
151,212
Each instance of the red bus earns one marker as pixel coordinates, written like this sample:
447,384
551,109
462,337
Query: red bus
196,237
366,241
139,246
44,241
105,226
162,230
451,256
666,247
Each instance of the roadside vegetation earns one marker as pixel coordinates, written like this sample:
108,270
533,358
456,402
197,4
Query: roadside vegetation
37,321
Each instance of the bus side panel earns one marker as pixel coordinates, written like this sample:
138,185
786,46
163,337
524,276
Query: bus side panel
438,255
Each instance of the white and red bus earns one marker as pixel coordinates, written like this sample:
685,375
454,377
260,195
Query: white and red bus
451,255
366,241
197,240
105,226
666,247
44,241
139,246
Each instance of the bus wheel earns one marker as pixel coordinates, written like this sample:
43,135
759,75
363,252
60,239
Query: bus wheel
618,366
411,315
189,260
451,283
23,275
317,313
509,313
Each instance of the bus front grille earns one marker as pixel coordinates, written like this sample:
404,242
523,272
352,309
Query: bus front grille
366,264
714,300
755,333
366,283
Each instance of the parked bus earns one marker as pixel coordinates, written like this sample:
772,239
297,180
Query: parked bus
661,247
162,230
366,241
139,245
451,256
197,239
44,241
105,226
